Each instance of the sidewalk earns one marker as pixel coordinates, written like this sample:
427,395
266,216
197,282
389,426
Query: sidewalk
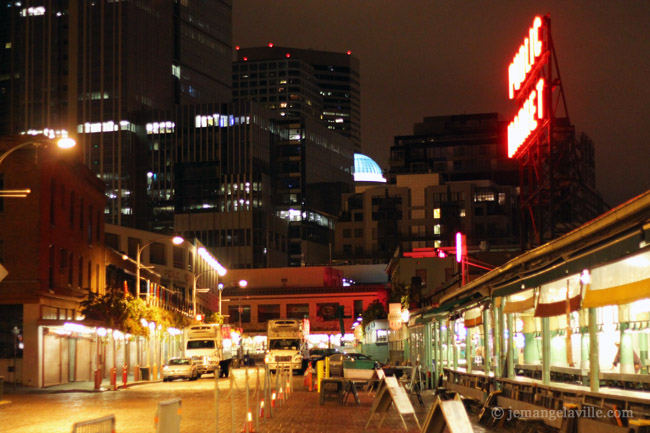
84,386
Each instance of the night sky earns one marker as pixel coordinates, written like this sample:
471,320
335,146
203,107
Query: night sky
438,57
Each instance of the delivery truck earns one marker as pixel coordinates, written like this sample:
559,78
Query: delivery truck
210,346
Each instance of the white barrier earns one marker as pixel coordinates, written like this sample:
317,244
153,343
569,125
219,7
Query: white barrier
168,416
99,425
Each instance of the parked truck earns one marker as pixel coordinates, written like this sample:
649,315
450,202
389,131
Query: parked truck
209,345
287,344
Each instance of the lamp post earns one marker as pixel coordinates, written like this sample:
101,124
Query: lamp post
195,289
216,266
176,240
63,143
101,333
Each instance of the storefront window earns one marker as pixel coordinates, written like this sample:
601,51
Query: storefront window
268,312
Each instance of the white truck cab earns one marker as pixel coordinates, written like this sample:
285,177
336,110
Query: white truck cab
287,344
208,348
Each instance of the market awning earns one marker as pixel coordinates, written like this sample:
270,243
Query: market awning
520,302
473,317
556,297
619,283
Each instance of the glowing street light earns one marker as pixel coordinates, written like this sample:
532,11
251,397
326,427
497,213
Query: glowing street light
63,143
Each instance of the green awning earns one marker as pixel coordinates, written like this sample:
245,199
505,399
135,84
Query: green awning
607,254
448,306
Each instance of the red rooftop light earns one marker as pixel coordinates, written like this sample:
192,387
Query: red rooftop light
270,44
288,55
349,53
237,47
245,59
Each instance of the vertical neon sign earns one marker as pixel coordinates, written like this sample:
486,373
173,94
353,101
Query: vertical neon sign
522,71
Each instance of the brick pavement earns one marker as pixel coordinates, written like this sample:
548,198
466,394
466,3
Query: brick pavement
135,408
303,413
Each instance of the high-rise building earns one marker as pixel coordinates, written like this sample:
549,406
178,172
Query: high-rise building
283,79
209,176
312,167
93,68
313,149
456,147
419,211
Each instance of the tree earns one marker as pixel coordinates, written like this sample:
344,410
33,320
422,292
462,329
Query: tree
376,310
115,311
401,293
214,318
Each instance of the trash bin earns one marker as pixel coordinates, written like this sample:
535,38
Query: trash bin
144,373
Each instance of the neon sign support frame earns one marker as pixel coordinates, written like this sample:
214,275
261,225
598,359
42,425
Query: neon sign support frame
555,194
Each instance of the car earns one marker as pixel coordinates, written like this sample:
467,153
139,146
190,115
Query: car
336,361
180,368
316,355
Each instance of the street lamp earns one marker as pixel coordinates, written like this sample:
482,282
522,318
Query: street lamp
177,240
216,267
63,143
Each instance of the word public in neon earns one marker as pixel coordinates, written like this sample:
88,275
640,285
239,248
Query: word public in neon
526,57
526,120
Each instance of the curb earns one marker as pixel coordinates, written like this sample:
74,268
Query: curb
85,390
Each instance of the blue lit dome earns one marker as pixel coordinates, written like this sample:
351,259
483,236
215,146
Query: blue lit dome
366,170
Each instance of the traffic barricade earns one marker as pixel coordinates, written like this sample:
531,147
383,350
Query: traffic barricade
168,416
100,425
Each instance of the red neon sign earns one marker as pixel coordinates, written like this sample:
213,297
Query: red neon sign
461,247
525,58
525,122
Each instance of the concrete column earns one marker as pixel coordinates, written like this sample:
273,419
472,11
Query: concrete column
428,349
584,349
510,358
643,348
496,326
627,353
454,347
546,351
438,351
531,349
469,351
486,341
450,345
594,366
503,346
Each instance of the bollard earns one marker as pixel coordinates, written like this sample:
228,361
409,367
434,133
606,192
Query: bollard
320,373
125,375
308,381
98,380
114,378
